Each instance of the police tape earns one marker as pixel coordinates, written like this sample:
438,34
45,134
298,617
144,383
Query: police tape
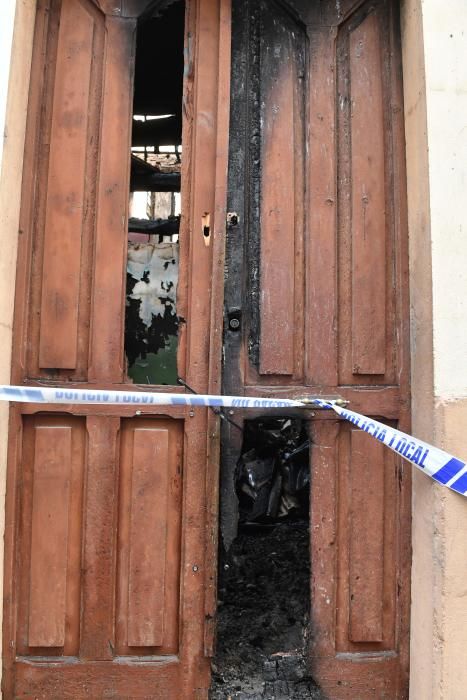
32,394
440,465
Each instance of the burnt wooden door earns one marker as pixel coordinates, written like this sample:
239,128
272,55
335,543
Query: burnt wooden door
316,273
105,540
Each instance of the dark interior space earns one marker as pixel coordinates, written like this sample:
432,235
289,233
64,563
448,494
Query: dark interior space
159,70
264,577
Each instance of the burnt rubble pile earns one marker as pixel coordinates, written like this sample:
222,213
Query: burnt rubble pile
272,480
263,616
264,579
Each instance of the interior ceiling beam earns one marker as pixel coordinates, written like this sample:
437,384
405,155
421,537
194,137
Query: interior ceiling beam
155,182
146,178
132,8
163,227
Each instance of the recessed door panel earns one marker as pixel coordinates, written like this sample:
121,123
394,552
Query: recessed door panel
52,477
149,537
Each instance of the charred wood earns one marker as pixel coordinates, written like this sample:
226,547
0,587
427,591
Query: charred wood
162,227
155,182
157,132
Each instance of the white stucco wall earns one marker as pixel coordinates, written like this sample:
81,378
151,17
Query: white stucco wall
435,90
445,39
7,16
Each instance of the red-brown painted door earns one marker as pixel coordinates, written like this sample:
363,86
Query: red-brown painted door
317,277
105,542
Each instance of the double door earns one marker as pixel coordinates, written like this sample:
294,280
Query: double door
111,538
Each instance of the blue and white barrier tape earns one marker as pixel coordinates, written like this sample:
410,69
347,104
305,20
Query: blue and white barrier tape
441,466
32,394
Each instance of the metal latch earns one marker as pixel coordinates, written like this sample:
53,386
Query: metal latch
311,399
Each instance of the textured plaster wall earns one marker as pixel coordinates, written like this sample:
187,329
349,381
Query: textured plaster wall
7,15
435,91
421,340
16,30
445,40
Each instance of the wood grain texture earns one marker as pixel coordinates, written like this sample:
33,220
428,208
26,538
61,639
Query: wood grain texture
355,676
368,200
323,535
357,533
65,208
158,681
321,256
49,546
148,537
217,298
97,613
198,196
368,564
366,538
107,324
370,283
58,225
50,515
277,250
99,553
265,249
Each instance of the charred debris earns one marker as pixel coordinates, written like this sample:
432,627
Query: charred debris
264,576
272,479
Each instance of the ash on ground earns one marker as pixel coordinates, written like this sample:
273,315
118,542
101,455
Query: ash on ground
263,615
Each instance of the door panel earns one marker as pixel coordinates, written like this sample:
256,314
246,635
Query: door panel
367,182
367,219
64,199
281,77
50,535
149,537
106,363
65,207
366,541
316,270
265,244
366,535
105,540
